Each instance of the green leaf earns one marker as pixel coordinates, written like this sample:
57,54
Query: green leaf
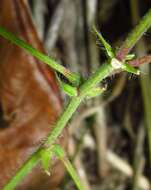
129,57
95,92
130,69
107,46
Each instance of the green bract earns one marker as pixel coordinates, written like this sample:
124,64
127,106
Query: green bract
46,156
95,92
68,89
107,46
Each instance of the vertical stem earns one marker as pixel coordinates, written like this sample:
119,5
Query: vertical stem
39,9
144,79
100,130
64,118
138,158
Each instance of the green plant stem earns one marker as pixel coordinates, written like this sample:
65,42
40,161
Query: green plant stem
139,30
72,77
134,36
63,120
58,150
35,158
145,78
73,174
104,71
26,168
146,94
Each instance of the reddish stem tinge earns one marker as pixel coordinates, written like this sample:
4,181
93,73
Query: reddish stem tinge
142,60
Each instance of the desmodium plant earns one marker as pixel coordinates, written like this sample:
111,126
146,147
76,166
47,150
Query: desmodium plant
78,90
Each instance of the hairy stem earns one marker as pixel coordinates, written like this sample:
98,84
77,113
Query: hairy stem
101,73
145,78
104,71
134,36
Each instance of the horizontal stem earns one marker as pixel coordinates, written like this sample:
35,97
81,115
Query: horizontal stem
72,77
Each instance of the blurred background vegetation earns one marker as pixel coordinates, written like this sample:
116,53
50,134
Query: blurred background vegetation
109,135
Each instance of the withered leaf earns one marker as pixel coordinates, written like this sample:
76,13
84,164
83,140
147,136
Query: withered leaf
29,99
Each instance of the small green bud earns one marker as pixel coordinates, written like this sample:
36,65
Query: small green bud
68,89
46,156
